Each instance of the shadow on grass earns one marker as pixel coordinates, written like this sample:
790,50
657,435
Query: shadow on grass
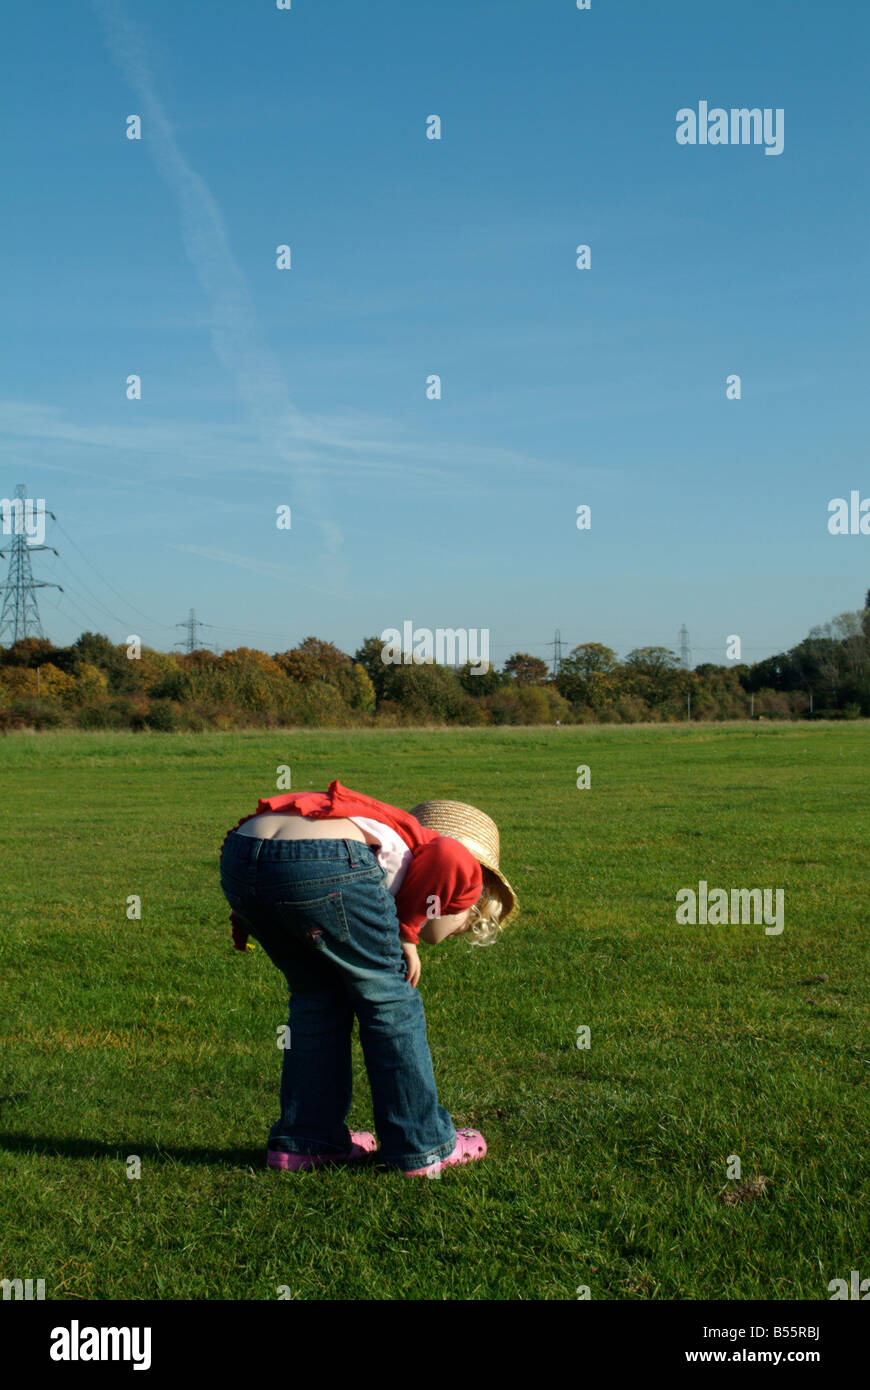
95,1148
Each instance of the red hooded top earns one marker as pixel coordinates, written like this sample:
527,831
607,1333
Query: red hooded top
440,866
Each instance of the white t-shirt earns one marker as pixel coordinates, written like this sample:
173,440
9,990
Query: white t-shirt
392,853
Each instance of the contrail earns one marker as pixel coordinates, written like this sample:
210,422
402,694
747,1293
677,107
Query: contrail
235,333
284,574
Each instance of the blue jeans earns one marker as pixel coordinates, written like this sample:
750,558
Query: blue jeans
323,914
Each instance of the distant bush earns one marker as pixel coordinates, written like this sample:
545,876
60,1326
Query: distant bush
162,717
632,709
505,707
31,714
97,715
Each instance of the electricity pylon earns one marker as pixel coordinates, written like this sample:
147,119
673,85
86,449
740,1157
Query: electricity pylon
20,615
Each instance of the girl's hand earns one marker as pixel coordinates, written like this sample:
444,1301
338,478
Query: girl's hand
412,959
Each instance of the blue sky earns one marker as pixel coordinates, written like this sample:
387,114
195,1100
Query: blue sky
410,257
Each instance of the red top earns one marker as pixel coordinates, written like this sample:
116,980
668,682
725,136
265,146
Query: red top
440,866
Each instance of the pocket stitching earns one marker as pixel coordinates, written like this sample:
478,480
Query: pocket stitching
330,900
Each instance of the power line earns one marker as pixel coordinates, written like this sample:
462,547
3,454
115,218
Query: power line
108,612
153,621
192,623
68,593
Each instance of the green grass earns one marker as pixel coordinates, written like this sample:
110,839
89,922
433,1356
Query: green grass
606,1167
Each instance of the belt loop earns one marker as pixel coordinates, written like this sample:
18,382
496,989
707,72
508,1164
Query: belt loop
353,852
253,864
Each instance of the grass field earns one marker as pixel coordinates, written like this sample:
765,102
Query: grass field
606,1166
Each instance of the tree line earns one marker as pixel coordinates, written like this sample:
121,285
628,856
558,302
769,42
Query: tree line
94,684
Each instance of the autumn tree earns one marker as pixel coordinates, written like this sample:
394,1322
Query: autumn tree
526,669
369,657
55,684
588,675
652,674
425,691
313,659
27,651
476,682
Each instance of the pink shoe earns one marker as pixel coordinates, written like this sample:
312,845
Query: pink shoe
363,1144
470,1144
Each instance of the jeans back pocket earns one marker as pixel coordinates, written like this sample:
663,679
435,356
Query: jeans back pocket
314,919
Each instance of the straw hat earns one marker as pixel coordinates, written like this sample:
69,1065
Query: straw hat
479,834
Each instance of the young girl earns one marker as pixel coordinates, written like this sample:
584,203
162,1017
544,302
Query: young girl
338,889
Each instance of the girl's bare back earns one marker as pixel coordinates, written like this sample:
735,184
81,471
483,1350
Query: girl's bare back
284,825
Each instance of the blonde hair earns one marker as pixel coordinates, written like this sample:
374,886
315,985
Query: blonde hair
483,917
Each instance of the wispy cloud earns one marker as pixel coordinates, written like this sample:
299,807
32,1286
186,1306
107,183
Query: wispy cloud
235,333
284,574
357,451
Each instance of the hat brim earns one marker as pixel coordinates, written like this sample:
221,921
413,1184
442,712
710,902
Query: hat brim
473,829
